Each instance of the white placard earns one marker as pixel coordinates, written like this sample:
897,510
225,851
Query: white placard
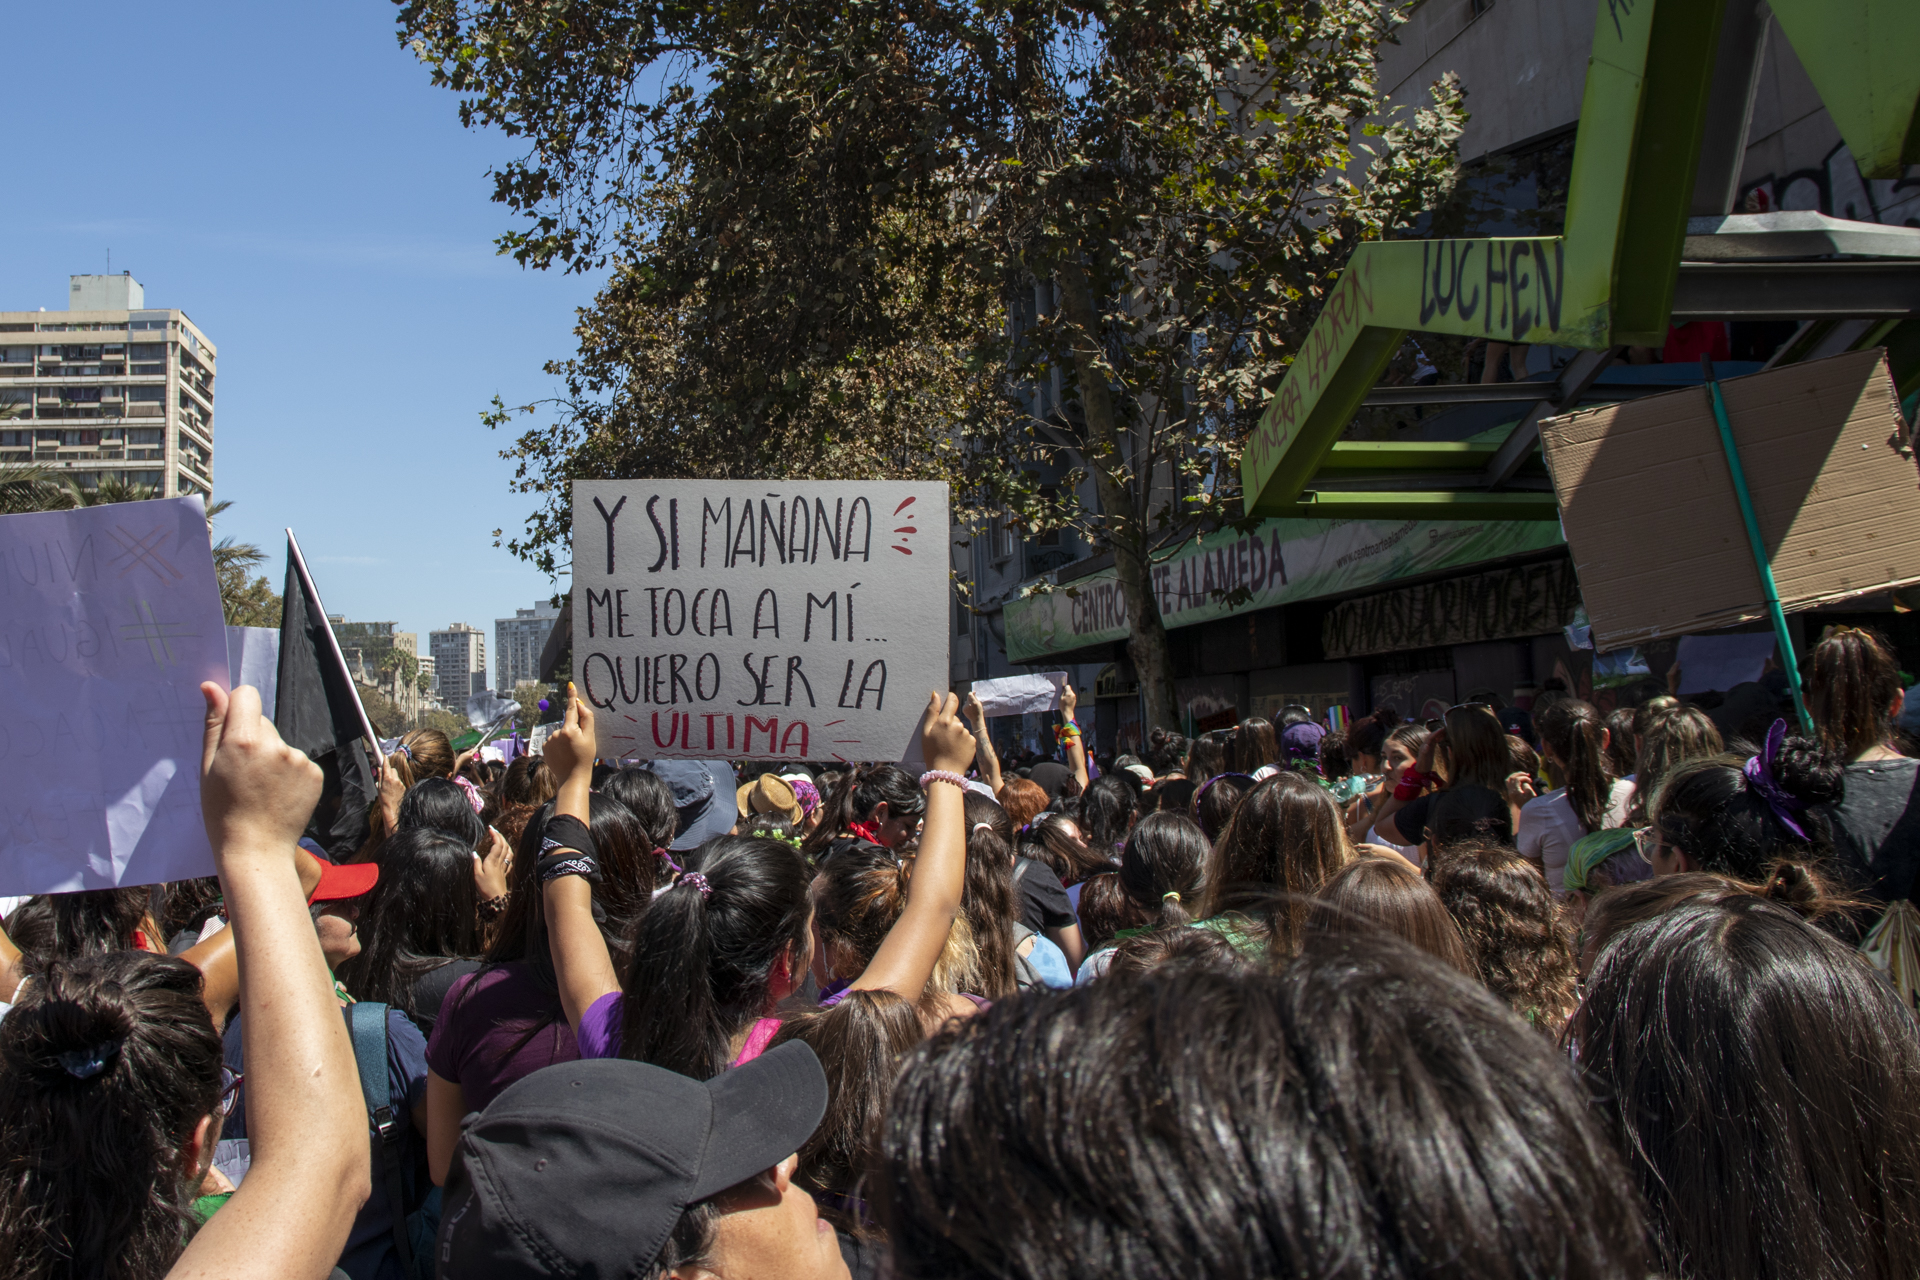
109,620
1717,663
805,620
1017,695
253,657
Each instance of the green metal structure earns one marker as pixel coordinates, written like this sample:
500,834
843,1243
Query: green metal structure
1609,280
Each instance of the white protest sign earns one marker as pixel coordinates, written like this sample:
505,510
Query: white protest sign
253,657
109,620
1018,695
801,620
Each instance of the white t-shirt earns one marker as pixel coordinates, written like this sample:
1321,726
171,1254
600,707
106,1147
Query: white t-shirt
1549,827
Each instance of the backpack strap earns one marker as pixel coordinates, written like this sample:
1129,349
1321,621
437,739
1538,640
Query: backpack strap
367,1023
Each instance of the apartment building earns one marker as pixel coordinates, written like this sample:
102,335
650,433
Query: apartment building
459,663
517,643
109,388
367,646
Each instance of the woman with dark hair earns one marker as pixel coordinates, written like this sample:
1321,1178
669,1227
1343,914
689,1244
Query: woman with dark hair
1160,883
67,926
1159,950
1737,817
1399,749
989,901
1253,746
438,805
1791,886
727,938
1764,1087
647,796
419,928
1108,810
1574,740
1469,749
859,1042
1854,693
1046,841
506,1020
1514,933
1055,841
528,783
1388,895
1215,801
1622,746
1667,741
1282,845
111,1089
1206,758
877,803
1240,1091
1466,815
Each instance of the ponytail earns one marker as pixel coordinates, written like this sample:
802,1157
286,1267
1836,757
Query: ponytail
988,900
704,950
1850,690
1575,733
1163,869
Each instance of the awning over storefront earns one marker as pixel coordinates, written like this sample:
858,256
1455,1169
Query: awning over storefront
1281,561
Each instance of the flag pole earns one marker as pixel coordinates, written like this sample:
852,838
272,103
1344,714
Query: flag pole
333,644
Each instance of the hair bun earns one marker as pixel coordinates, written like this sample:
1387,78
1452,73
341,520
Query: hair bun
1809,772
77,1026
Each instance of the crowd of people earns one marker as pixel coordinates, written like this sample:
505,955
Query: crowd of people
1512,992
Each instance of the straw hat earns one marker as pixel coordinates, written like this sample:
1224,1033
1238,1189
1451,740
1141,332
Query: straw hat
769,793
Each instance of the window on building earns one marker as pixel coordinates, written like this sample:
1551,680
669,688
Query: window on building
79,439
146,435
147,395
16,439
148,350
16,355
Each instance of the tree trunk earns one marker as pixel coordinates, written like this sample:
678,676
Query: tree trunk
1124,516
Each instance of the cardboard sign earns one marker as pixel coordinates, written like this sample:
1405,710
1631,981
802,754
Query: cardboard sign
109,620
759,620
1654,526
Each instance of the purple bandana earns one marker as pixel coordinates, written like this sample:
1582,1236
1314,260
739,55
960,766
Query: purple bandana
1759,771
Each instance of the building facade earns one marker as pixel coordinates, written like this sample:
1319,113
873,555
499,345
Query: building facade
517,642
383,658
109,388
459,663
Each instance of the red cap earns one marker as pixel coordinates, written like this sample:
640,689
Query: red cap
339,881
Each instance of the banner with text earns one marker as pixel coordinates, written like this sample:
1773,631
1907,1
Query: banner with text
741,619
1280,561
109,620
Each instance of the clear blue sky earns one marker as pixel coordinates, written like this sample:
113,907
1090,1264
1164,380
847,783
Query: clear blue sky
286,175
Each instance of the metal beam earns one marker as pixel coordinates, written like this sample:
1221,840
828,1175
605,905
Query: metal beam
1452,393
1464,504
1418,481
1736,79
1795,290
1373,456
1795,233
1574,382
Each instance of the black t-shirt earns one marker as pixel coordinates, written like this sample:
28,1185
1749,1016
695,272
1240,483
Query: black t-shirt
1876,828
1044,903
1412,817
430,992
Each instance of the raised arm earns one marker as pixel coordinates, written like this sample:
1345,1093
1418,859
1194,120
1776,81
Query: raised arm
983,753
305,1118
580,958
1076,746
908,953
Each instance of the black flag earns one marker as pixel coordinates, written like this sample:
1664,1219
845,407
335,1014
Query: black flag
317,710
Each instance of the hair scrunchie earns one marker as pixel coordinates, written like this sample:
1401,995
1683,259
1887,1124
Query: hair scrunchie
473,792
1761,778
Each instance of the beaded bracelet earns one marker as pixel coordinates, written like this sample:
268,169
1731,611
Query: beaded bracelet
941,775
493,908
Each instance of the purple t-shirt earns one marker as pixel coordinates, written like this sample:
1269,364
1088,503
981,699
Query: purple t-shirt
600,1031
495,1027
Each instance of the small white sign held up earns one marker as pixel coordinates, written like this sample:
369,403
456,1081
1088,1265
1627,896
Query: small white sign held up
802,620
109,620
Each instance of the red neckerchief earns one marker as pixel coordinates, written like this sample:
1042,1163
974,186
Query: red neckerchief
866,831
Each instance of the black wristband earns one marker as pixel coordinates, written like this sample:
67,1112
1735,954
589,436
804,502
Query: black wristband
567,862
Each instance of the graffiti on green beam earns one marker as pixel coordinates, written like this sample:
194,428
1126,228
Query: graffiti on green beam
1528,284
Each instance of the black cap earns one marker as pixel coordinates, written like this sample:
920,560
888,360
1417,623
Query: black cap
584,1168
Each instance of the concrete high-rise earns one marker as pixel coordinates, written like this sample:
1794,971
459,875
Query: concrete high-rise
459,663
517,642
109,388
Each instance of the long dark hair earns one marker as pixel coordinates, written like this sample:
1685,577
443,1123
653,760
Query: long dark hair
529,782
1514,933
650,800
423,913
628,869
438,804
1283,843
1205,758
1054,841
1164,870
1764,1085
1241,1093
1574,730
67,926
1710,810
859,1043
989,900
1106,812
1389,895
1253,745
702,961
1852,682
90,1176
